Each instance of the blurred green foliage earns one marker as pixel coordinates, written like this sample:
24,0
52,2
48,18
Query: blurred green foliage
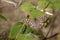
26,7
15,29
25,37
19,30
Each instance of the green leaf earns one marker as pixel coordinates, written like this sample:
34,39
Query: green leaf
26,6
42,4
22,29
36,13
57,4
3,17
25,37
15,29
28,29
